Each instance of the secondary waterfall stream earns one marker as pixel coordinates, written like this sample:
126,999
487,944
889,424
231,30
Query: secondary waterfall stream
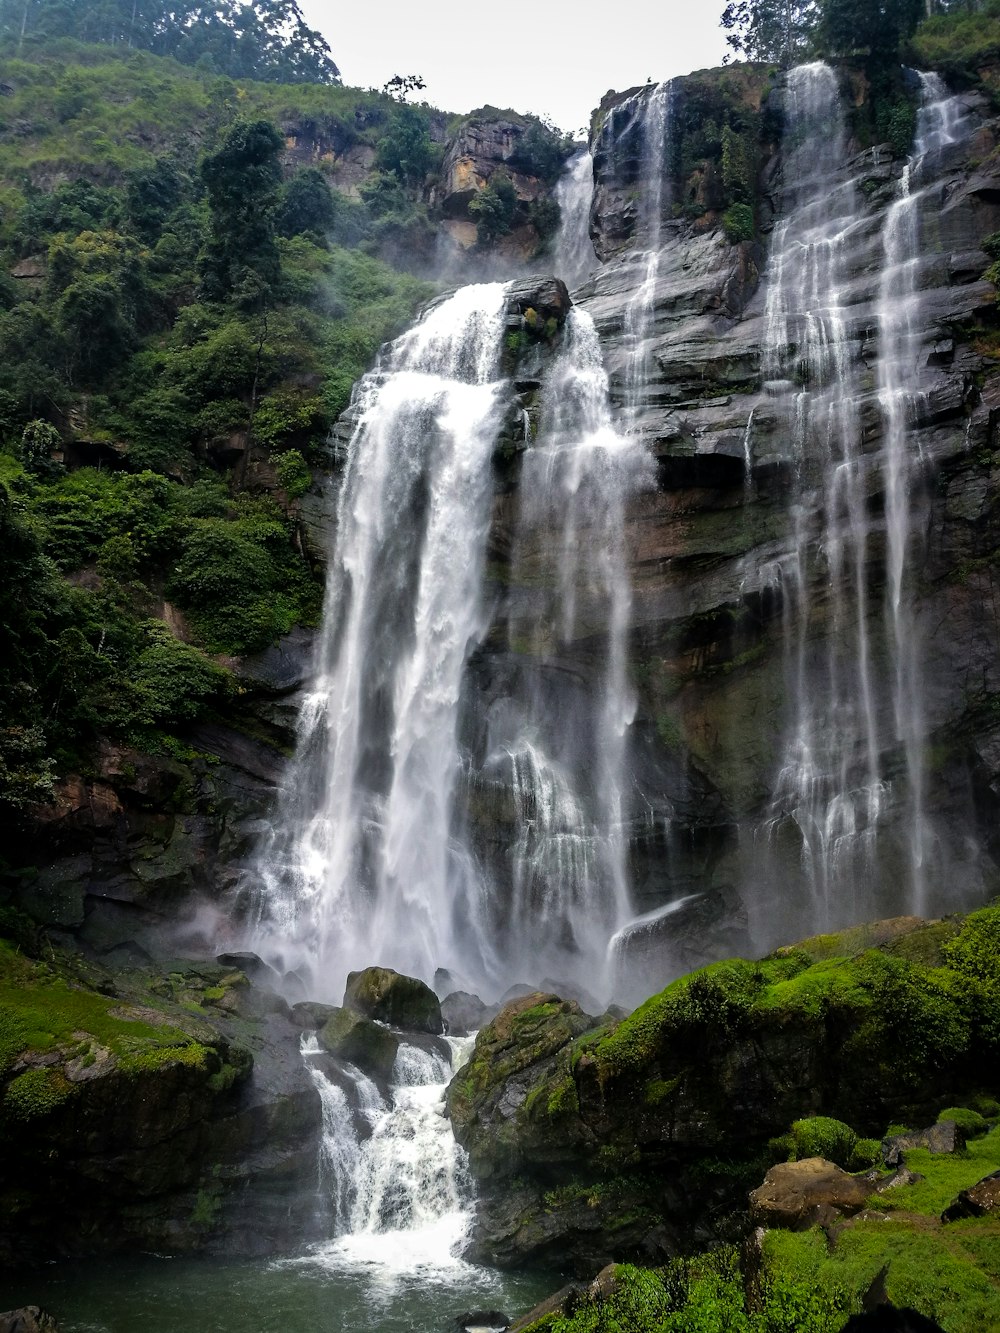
860,702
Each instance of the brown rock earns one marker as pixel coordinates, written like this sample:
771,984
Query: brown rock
945,1136
980,1200
796,1195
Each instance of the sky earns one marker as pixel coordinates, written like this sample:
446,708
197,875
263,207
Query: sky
552,57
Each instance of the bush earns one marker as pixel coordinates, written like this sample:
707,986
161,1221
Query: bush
822,1136
738,223
971,1123
293,473
494,208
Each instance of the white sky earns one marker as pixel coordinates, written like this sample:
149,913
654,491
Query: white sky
552,57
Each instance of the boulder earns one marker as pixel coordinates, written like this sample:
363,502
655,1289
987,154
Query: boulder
360,1041
389,997
252,966
311,1015
980,1200
464,1013
797,1195
945,1136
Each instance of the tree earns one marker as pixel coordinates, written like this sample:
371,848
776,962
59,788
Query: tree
243,180
400,86
873,27
771,30
306,204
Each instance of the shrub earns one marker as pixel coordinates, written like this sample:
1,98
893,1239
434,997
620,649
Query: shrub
494,208
293,473
822,1136
970,1122
738,223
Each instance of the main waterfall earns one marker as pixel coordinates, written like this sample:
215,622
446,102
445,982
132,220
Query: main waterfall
362,866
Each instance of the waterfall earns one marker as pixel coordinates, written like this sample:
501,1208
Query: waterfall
640,313
362,849
573,257
395,1180
900,331
829,783
566,766
857,703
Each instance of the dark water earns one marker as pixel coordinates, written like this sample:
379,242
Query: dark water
314,1294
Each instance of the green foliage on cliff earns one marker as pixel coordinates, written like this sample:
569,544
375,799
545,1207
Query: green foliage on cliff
184,327
263,39
959,43
808,1280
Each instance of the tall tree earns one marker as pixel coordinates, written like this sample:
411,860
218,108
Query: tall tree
770,30
874,28
243,181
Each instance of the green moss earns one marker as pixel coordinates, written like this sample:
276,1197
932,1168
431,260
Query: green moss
975,950
208,1205
36,1092
929,1271
563,1099
659,1089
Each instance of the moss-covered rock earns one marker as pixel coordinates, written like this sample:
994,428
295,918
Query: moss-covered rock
390,997
127,1098
698,1079
362,1042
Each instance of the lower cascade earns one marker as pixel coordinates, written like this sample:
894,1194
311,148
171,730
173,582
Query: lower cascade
394,1188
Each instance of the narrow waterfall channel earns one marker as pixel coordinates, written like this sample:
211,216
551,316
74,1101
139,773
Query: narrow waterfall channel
900,308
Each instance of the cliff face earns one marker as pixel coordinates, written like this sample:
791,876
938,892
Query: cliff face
720,628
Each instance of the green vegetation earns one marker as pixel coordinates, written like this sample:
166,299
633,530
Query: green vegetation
263,39
947,1271
169,370
959,42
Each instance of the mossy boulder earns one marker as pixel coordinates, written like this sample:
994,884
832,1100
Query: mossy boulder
389,997
126,1098
360,1041
694,1083
796,1195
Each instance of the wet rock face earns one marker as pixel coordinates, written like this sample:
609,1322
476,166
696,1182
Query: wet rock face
478,151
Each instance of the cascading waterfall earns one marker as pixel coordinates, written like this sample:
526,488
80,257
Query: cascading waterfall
939,123
395,1182
568,774
363,859
829,783
573,257
862,699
